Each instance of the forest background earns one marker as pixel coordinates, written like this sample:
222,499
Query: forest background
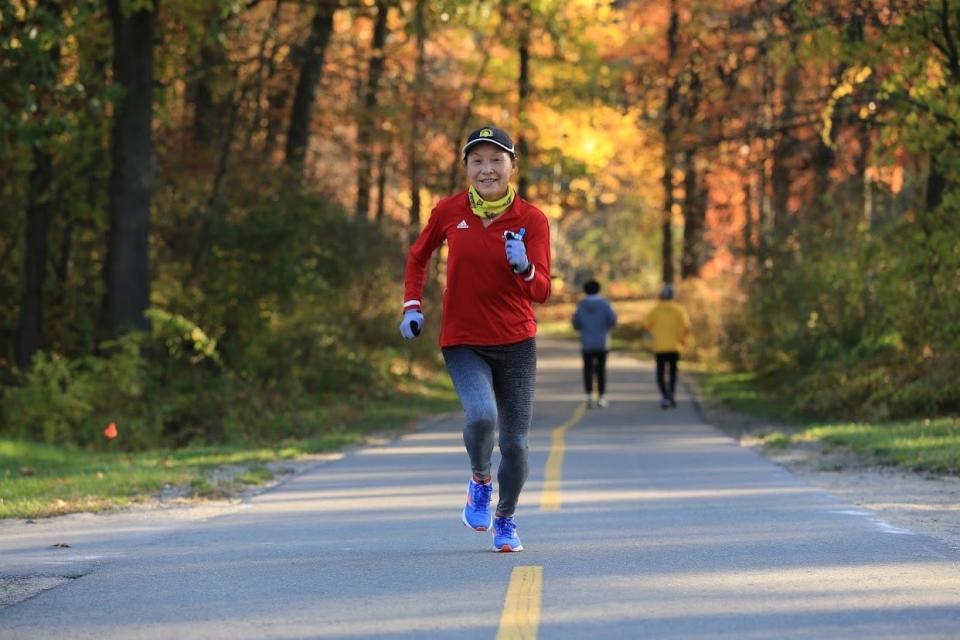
205,204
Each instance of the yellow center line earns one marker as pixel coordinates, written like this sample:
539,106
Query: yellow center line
520,619
550,498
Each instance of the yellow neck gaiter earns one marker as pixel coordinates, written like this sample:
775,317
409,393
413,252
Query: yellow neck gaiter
490,209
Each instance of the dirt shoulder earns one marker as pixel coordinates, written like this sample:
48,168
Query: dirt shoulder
922,503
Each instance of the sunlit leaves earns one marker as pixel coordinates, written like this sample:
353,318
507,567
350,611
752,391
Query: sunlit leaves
853,76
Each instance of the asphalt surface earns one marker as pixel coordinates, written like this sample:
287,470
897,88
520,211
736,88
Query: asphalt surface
667,529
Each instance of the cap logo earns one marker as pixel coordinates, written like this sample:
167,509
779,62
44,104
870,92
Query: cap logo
485,133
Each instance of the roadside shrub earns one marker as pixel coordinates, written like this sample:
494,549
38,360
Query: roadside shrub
70,401
271,304
709,303
858,323
163,388
932,390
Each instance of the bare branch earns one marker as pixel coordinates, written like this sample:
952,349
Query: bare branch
953,58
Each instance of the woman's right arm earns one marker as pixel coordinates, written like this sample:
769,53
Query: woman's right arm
430,238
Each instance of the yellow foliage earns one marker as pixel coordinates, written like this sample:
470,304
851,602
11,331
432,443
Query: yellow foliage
935,74
851,78
552,211
606,141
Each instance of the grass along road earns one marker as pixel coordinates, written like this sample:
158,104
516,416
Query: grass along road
39,480
929,445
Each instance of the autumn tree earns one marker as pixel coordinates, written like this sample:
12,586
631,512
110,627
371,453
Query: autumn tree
127,268
44,55
310,70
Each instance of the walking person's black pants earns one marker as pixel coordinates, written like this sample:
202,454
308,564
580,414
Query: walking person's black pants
667,373
595,365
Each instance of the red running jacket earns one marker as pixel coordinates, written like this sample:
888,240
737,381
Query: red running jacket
484,302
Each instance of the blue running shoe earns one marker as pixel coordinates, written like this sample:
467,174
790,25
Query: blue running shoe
505,536
476,514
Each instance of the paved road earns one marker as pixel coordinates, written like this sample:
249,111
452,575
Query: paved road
665,529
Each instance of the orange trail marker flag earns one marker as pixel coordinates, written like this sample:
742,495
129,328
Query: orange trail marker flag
111,431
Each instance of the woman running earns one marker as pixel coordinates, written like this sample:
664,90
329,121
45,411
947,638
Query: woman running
498,262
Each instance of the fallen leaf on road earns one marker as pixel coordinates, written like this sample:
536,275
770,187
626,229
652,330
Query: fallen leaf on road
62,545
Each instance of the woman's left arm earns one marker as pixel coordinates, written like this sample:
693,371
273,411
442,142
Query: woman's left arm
536,283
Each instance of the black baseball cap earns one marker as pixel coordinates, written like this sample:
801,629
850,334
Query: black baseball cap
490,134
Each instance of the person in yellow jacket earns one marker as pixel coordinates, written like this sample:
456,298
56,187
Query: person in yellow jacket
669,327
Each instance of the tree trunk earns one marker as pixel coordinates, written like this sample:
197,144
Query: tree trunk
824,156
767,82
367,122
861,194
207,112
383,159
39,206
936,186
666,247
311,70
127,267
416,115
276,106
748,247
63,261
824,159
523,94
780,180
784,152
667,129
763,208
9,246
461,132
265,62
693,252
227,135
694,219
30,327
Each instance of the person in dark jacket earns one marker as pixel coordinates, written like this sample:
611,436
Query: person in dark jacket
594,319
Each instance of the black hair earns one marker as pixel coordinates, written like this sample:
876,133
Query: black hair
591,287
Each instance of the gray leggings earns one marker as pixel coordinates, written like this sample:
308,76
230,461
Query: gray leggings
495,384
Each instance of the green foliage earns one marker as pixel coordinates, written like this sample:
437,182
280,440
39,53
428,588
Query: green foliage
157,391
53,62
291,288
283,313
609,244
859,324
130,7
71,401
182,338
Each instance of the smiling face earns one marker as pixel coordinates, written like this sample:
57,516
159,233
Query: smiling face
489,169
